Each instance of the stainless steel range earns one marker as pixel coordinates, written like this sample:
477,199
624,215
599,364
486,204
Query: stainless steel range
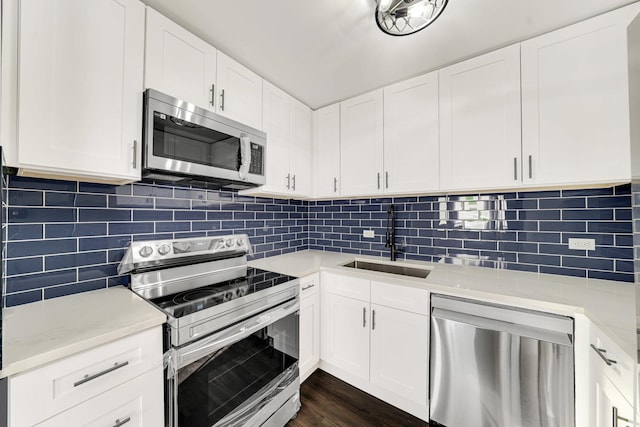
231,337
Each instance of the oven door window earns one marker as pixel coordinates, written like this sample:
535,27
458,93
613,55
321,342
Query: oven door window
178,139
228,385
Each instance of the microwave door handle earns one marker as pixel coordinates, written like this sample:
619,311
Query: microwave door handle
245,156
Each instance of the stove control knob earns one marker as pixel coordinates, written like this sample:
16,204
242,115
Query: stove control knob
240,242
229,242
164,249
145,251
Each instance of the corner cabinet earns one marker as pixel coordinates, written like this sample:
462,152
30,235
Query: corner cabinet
326,151
480,142
575,103
375,336
287,123
79,96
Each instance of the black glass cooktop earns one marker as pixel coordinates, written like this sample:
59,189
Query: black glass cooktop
192,301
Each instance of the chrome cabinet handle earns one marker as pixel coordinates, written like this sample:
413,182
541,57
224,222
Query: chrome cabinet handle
373,319
308,287
294,183
364,317
600,352
386,180
530,167
135,154
213,95
288,181
617,417
335,184
88,377
121,422
515,168
378,180
222,100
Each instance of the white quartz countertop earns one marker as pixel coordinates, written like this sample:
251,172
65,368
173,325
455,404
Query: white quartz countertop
39,333
610,305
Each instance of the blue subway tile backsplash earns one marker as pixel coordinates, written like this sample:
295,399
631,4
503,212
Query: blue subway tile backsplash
67,237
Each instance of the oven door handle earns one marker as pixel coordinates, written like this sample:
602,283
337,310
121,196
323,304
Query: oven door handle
237,332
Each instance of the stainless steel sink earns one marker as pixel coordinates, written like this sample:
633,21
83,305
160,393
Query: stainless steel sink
389,268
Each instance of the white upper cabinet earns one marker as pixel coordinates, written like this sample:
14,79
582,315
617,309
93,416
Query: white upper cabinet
287,123
80,74
326,151
411,159
182,65
178,63
239,92
300,160
361,145
575,103
480,141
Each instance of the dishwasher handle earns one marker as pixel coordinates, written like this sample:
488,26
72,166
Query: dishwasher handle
503,326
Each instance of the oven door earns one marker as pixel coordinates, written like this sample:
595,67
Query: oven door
240,376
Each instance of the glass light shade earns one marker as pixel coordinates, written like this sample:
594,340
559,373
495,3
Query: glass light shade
403,17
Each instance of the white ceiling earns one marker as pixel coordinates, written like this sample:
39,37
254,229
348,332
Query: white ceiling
325,51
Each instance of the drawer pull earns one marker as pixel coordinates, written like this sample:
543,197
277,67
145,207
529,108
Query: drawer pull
121,422
601,352
308,287
88,377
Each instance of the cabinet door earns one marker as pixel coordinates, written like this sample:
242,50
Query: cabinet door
411,149
609,407
575,103
80,87
178,63
361,145
326,151
277,125
309,333
345,334
300,153
400,352
240,92
480,141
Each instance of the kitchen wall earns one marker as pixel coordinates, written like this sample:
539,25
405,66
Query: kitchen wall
66,237
526,231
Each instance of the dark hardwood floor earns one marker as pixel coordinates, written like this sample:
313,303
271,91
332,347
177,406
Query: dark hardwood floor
328,401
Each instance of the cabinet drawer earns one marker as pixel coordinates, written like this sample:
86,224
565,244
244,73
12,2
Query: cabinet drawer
60,385
400,297
309,285
621,368
136,403
350,287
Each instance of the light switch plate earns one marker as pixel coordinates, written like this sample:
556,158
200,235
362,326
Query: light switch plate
368,233
582,244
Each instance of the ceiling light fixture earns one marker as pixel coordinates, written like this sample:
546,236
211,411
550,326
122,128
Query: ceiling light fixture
404,17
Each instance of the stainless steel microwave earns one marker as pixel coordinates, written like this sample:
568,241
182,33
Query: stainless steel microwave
186,144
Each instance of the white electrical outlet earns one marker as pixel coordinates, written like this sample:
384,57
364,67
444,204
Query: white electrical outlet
582,244
368,233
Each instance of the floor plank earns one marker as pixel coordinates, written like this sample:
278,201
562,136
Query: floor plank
330,402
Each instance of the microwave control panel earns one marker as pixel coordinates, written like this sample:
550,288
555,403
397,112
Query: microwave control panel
257,156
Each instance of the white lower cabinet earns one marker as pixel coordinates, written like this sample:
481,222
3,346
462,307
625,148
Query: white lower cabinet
136,403
309,325
376,342
115,381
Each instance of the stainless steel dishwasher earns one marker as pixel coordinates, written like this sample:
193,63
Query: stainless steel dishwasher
498,366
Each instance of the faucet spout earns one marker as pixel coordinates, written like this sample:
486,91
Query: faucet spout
390,241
